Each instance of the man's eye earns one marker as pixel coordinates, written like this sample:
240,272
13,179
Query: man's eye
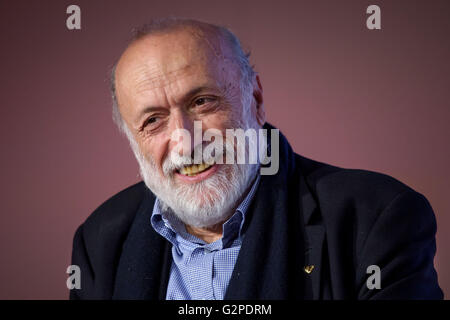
150,120
202,101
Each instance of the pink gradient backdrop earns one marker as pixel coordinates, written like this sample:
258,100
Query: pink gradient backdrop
342,94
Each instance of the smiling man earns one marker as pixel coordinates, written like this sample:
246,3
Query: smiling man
199,228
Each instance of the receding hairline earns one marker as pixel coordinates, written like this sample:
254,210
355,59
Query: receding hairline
207,37
219,40
169,25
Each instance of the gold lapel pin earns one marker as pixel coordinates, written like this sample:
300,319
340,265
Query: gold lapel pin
308,269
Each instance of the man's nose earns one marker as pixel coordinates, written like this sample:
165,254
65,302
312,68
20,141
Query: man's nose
182,137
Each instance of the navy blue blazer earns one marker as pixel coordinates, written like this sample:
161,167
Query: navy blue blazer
340,221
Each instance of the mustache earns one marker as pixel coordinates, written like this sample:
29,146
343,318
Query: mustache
174,161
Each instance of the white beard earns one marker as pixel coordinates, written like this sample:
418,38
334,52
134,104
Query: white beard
210,201
202,204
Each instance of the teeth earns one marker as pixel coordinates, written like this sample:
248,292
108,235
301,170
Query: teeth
194,169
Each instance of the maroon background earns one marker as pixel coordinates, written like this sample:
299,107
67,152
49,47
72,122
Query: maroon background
342,94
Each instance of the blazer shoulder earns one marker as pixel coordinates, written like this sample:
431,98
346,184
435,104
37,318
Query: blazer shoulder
98,241
370,187
356,187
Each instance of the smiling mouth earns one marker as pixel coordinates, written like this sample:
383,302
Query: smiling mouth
194,169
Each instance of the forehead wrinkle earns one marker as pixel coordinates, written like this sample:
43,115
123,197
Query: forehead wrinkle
154,74
151,77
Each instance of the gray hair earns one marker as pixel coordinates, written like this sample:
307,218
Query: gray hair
166,25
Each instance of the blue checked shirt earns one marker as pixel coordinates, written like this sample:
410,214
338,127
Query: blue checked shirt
201,270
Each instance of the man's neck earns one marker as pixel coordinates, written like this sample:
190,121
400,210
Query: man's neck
207,234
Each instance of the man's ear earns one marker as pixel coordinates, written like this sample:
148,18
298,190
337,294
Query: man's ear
258,95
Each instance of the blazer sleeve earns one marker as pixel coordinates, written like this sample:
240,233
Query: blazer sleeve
80,258
402,244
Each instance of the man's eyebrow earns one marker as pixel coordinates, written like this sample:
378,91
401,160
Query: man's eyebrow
195,91
147,110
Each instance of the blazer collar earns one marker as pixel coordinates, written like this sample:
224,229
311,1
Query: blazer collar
284,236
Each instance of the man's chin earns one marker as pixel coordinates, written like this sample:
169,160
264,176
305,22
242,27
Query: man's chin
200,214
198,205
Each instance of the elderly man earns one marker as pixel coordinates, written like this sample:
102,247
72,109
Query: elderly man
216,230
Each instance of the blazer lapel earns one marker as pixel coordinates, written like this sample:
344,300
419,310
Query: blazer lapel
262,268
314,240
281,255
144,265
313,261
